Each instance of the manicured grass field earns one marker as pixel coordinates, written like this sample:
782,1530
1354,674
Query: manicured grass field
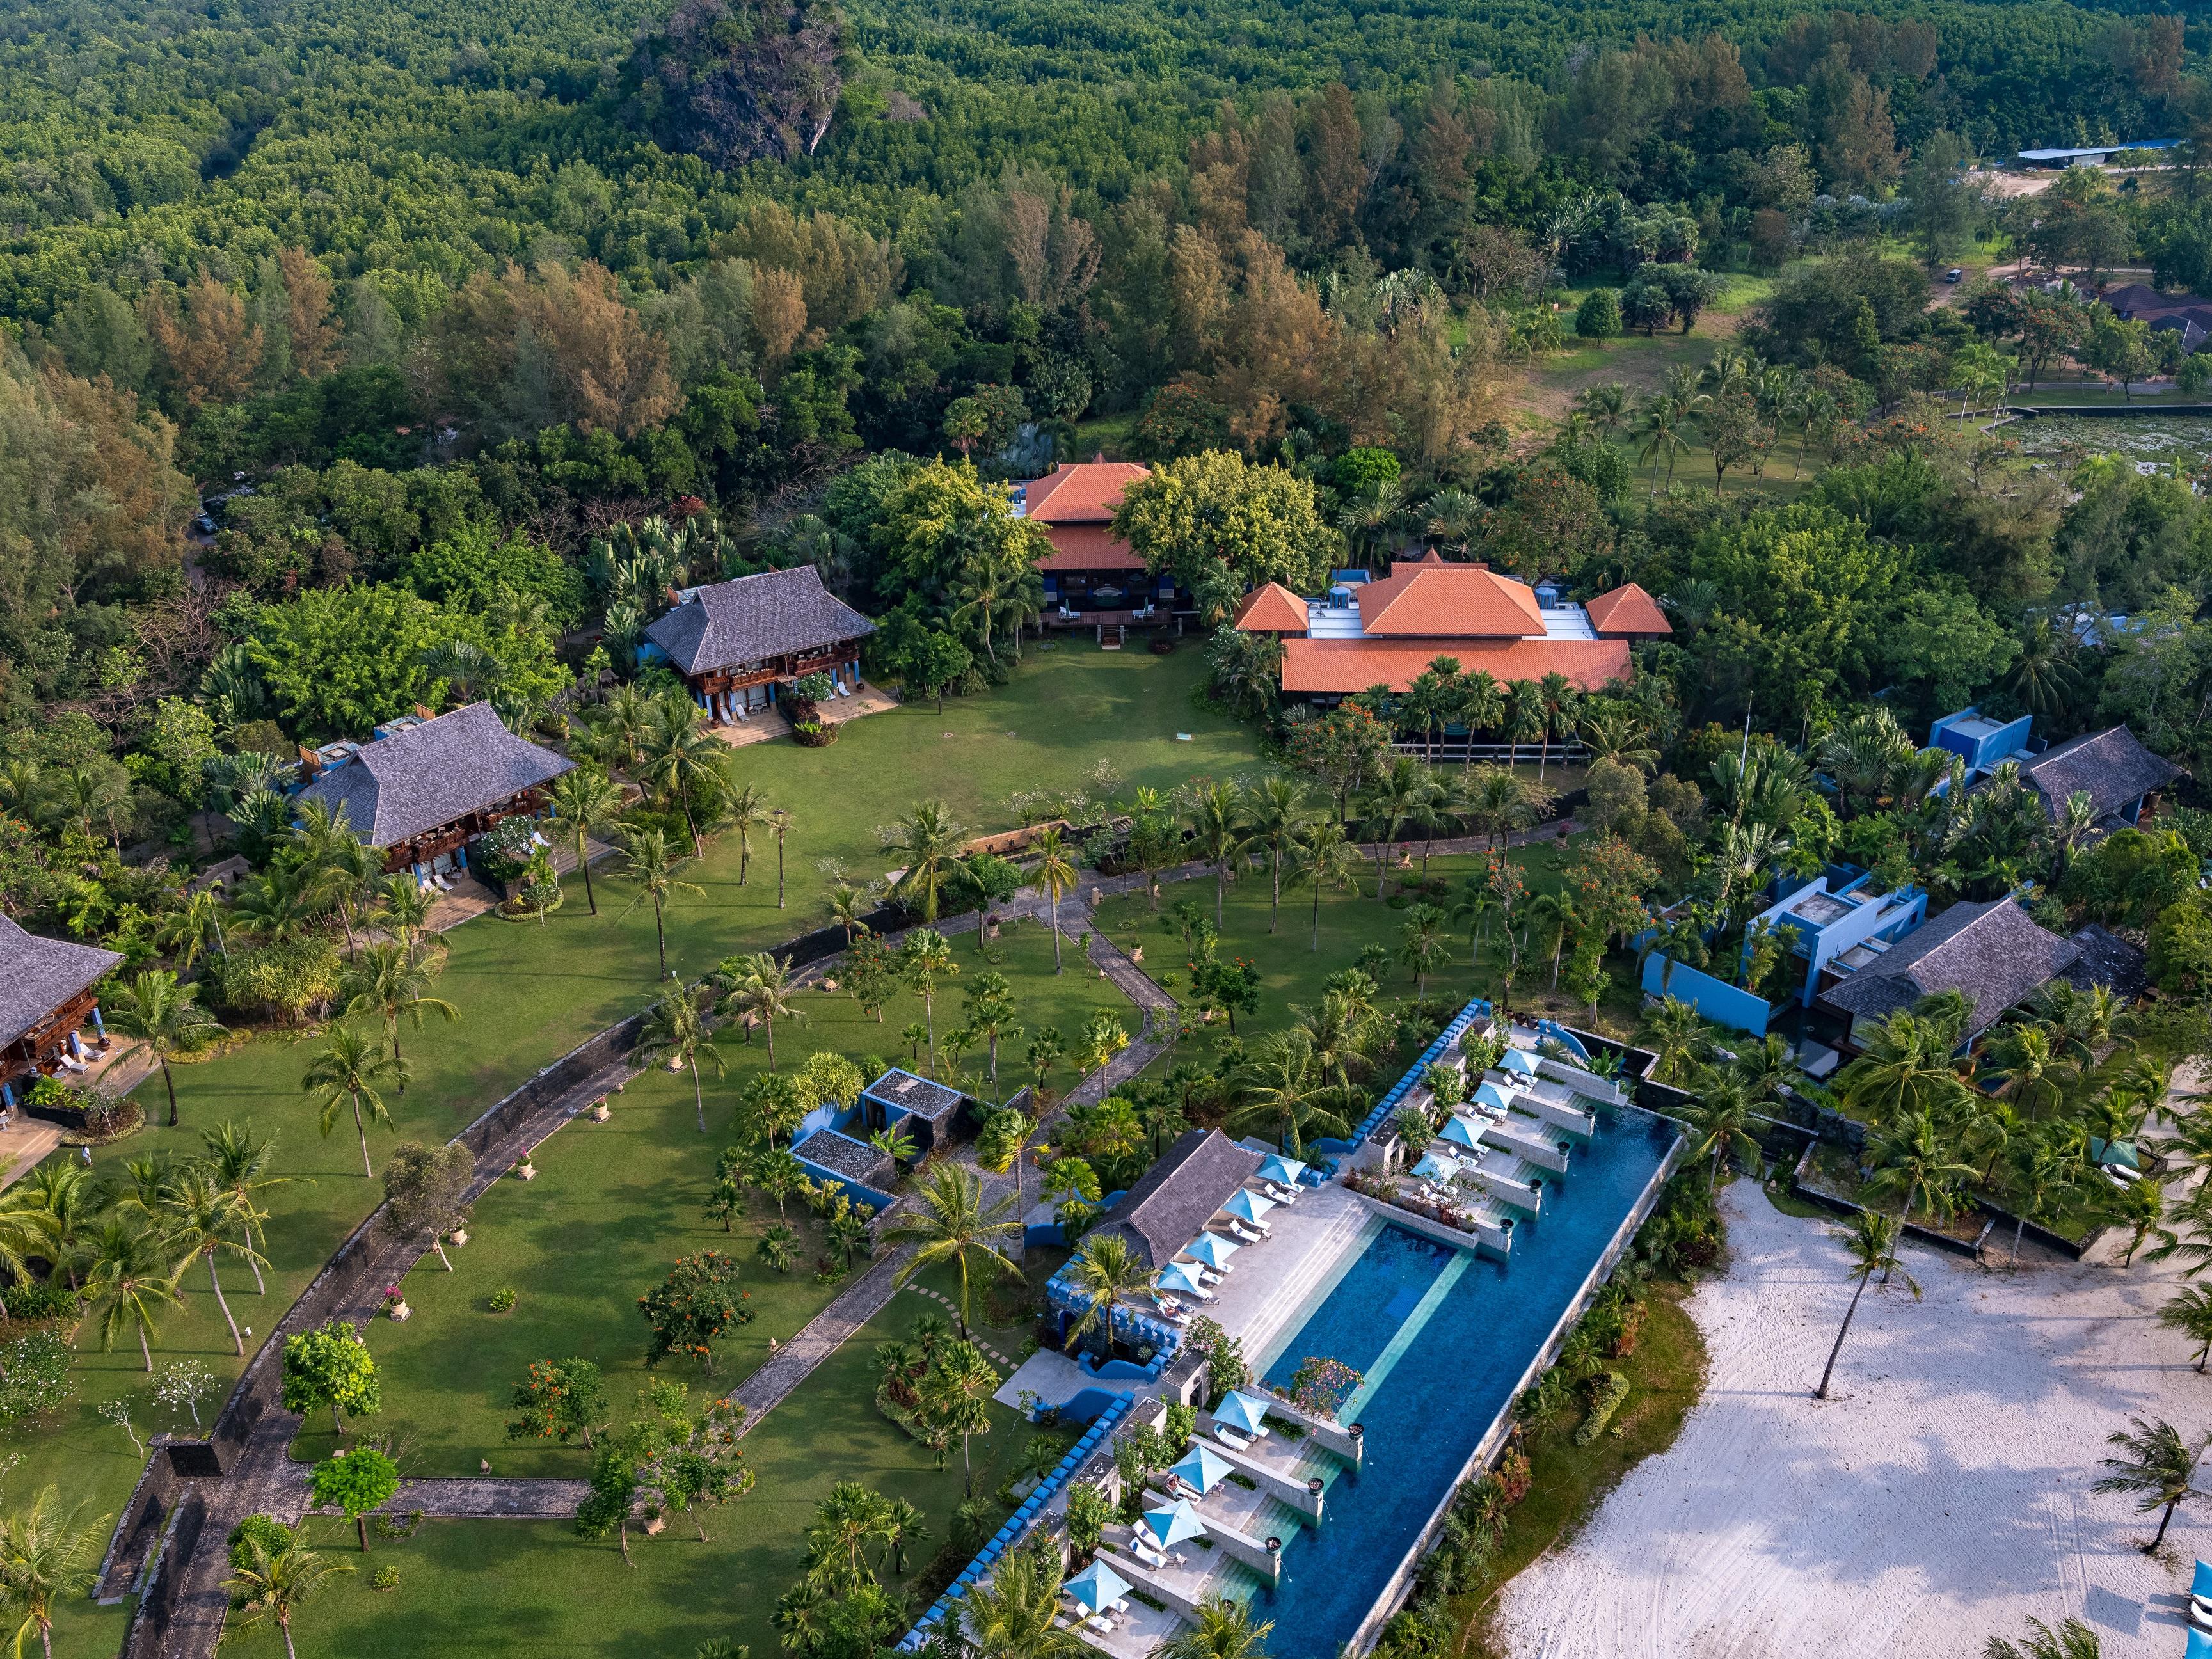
490,1588
528,992
612,1205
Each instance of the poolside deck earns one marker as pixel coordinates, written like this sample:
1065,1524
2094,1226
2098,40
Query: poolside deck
1271,1285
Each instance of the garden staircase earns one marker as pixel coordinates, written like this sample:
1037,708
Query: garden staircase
1111,635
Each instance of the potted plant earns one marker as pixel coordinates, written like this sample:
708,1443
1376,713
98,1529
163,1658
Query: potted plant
600,1110
459,1237
525,1170
395,1304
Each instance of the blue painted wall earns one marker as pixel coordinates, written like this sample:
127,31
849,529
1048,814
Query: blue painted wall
1718,1002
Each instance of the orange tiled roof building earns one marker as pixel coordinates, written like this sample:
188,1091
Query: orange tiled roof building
1090,576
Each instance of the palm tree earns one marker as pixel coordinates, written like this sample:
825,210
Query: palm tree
62,1202
747,810
278,906
1277,809
1907,1068
951,1224
192,926
584,803
1056,874
2191,1313
1016,1616
1495,803
931,838
674,1035
1224,1629
389,983
468,669
2157,1470
2028,1061
1322,856
1916,1158
1287,1084
1720,1122
1677,1033
1453,515
924,959
1216,817
1659,426
402,908
1105,1271
2042,677
958,1394
1556,700
761,987
848,904
162,1014
1871,1241
2072,1640
680,757
1551,916
348,1069
130,1279
1390,802
271,1585
203,1218
646,855
45,1557
1000,1149
240,1165
782,821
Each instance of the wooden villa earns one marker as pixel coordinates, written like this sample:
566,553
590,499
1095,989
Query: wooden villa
423,789
46,998
736,642
1092,579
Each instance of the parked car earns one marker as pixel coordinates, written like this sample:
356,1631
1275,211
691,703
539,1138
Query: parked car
1956,274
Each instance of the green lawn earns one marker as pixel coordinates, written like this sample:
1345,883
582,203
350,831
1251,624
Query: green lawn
527,993
613,1204
498,1588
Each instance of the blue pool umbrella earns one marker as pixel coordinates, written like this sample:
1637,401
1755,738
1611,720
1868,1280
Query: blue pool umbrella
1202,1469
1179,1276
1242,1411
1172,1525
1248,1204
1213,1248
2200,1644
1461,1131
2201,1583
1489,1094
1519,1059
1435,1168
1097,1586
1284,1172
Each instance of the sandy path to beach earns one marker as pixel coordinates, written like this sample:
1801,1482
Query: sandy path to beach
1940,1496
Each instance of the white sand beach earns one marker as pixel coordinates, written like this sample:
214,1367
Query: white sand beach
1940,1496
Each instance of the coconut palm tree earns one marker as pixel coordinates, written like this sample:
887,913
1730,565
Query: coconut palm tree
62,1202
1276,810
2043,676
1557,700
782,821
1105,1272
402,908
680,758
1056,874
388,982
1285,1085
1389,802
278,906
931,838
585,802
1224,1630
2072,1640
129,1279
271,1585
2157,1470
2191,1313
468,671
1322,856
2027,1059
1871,1241
746,811
957,1393
923,960
194,926
348,1071
676,1036
240,1165
1495,803
45,1557
1916,1158
999,1148
848,904
1215,815
1906,1068
205,1218
164,1015
1720,1123
1016,1616
1677,1033
646,855
952,1223
761,987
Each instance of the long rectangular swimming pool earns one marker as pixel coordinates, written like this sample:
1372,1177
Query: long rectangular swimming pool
1443,1336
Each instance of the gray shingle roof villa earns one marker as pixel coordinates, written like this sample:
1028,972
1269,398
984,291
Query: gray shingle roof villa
2112,765
1179,1194
777,613
46,994
447,775
1992,952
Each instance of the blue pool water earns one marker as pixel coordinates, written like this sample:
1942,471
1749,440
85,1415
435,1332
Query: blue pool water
1444,1335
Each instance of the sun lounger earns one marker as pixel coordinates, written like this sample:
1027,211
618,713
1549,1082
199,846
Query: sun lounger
2200,1612
1280,1195
1240,1231
1231,1438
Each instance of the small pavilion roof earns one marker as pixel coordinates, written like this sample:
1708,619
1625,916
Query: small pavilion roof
1627,611
1270,607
